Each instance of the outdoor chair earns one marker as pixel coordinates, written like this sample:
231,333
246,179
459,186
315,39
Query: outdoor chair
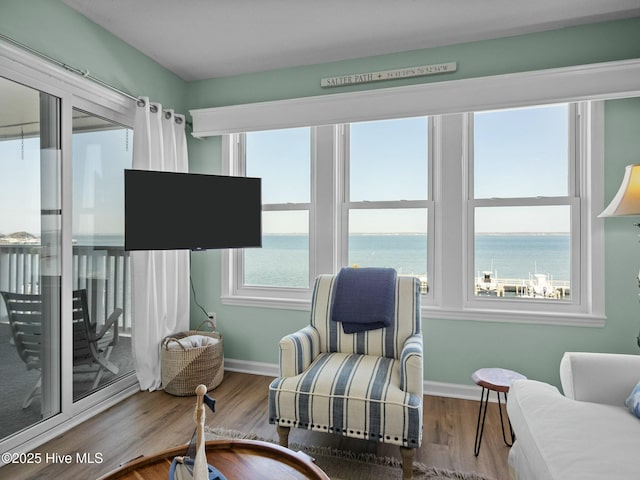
25,313
93,348
367,384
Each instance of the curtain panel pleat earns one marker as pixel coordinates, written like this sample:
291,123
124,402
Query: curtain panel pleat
160,279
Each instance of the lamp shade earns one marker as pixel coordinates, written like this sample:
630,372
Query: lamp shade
627,200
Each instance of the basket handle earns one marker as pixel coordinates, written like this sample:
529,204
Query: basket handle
213,327
167,340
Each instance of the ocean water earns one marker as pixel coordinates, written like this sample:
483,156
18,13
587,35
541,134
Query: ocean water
283,259
518,256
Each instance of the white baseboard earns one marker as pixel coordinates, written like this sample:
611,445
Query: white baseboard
452,390
255,368
438,389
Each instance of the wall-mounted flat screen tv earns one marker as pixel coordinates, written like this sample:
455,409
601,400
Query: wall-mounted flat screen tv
171,211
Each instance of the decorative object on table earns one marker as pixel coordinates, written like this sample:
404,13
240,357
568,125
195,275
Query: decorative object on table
366,385
627,201
193,465
190,359
498,380
236,459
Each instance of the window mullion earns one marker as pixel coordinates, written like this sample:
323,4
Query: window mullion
450,212
344,193
575,151
325,194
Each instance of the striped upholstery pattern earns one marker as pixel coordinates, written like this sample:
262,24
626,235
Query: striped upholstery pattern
365,385
385,342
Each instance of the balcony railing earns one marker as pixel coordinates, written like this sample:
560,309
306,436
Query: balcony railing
102,270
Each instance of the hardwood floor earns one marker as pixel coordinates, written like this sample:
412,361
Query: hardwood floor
148,422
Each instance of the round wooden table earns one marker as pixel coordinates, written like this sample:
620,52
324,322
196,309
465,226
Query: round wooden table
235,459
498,380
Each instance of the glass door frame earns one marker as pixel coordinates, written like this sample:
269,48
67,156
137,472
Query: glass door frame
74,91
78,406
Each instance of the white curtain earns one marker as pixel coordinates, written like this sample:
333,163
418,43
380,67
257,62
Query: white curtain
160,279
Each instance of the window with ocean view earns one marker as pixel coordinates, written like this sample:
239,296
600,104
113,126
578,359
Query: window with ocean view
283,260
403,246
520,203
282,158
387,192
485,208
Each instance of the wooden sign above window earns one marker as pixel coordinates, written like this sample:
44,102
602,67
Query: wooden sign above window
409,72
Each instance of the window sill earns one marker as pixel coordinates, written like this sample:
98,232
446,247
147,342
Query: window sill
428,311
267,302
570,319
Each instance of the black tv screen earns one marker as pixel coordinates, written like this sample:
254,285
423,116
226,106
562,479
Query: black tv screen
171,211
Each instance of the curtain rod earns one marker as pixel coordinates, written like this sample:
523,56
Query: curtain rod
77,71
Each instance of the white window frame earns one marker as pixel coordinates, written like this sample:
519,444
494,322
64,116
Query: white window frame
581,160
234,292
455,271
450,224
445,100
347,205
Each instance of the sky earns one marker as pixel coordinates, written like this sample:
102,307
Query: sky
518,152
98,178
20,186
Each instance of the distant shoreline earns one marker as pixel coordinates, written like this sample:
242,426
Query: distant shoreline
28,239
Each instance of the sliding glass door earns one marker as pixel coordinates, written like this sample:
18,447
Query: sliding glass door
30,256
65,316
102,150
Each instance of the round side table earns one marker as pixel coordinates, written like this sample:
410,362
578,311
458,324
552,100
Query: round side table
498,380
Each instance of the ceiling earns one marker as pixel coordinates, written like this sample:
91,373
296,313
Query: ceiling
200,39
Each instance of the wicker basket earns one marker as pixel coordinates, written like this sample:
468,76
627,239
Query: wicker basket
184,369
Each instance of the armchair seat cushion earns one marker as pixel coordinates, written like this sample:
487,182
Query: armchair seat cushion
350,394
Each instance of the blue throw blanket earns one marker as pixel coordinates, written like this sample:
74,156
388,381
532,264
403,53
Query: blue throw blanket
364,298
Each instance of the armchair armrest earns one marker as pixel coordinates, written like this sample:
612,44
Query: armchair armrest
298,350
599,377
411,365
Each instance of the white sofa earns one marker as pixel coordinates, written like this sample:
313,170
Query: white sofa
586,434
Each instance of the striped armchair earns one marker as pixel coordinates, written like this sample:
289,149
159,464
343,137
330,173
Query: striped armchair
365,385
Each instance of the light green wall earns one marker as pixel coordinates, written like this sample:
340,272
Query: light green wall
453,349
52,28
560,48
